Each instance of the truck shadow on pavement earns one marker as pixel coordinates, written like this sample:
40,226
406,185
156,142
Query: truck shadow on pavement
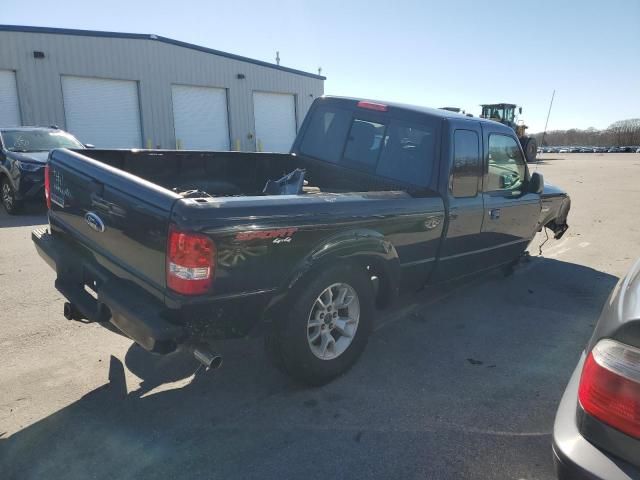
461,381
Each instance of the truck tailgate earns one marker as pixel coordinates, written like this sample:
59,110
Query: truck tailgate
122,218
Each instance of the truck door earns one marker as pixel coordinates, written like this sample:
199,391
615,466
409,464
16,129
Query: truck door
462,249
510,212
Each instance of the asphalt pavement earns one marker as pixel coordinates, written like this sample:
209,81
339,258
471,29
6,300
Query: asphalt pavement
459,381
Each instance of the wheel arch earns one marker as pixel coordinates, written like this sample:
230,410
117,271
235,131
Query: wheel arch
365,249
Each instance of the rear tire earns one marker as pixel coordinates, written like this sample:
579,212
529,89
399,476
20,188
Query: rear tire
9,201
324,326
530,147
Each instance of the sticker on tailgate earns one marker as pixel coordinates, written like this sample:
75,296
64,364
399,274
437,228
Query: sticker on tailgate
59,193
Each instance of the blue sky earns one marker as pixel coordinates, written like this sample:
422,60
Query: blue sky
446,53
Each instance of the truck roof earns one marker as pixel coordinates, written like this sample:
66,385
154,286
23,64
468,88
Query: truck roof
433,112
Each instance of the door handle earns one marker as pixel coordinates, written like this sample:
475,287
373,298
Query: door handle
494,213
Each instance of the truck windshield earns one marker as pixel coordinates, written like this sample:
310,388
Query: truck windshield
391,148
37,140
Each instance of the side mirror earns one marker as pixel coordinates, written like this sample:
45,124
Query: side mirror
536,183
520,110
89,145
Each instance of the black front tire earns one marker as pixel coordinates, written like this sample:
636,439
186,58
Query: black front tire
9,201
288,345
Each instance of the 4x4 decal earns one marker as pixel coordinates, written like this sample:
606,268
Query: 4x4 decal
279,235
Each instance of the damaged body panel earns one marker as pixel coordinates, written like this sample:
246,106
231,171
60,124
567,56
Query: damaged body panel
555,210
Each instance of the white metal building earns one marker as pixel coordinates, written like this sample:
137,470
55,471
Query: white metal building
120,90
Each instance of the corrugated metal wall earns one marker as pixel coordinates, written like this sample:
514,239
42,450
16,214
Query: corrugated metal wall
155,66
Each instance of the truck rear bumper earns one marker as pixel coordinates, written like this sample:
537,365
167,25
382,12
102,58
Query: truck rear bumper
135,312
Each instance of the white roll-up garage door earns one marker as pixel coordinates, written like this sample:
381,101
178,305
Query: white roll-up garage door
275,117
200,117
9,107
103,112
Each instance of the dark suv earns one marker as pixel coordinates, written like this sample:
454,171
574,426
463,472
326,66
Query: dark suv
23,155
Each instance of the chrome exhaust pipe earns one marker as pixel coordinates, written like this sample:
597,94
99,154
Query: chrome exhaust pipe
206,357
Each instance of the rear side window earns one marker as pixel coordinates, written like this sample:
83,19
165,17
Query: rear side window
466,164
408,154
324,138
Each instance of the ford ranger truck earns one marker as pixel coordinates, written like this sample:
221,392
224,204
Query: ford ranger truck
179,249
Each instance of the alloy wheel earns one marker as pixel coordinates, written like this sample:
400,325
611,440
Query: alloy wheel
7,196
333,321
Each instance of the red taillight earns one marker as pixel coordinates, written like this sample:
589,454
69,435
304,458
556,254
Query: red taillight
378,107
610,386
47,186
190,262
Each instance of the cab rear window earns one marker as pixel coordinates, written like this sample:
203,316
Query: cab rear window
390,148
325,136
364,143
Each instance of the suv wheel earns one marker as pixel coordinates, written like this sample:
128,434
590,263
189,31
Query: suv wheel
9,201
326,326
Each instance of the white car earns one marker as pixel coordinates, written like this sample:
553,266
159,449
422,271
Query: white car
563,150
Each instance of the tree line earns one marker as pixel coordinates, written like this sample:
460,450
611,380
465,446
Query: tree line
619,134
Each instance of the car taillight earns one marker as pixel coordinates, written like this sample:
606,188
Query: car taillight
190,262
379,107
47,186
610,386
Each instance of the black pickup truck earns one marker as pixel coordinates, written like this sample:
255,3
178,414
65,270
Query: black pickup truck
177,248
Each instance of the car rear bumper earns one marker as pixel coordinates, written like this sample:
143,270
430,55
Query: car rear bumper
131,309
574,456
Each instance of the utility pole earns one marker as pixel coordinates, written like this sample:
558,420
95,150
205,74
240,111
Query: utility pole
548,114
277,58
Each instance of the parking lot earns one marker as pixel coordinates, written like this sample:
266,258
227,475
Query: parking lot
458,381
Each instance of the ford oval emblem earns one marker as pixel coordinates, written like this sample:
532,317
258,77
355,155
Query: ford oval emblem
94,221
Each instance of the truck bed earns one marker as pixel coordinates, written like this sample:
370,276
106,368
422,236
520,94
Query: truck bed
222,174
135,196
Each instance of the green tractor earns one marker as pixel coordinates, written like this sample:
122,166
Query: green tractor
505,113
